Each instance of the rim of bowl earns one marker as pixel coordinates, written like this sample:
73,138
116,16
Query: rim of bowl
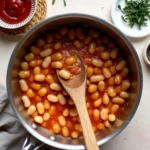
54,143
145,53
6,25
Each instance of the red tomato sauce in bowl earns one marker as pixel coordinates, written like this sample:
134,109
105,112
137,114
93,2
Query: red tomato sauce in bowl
14,11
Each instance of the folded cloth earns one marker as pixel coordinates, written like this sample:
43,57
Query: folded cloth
12,133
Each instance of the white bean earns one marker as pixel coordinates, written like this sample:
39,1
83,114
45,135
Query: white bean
38,119
111,91
121,65
65,74
61,99
31,110
46,116
23,85
118,79
26,101
107,73
46,52
97,62
52,98
40,108
39,77
55,86
56,64
125,85
92,47
118,100
101,86
96,78
105,98
29,57
46,62
62,120
124,94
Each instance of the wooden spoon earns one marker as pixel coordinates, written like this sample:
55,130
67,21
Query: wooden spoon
76,89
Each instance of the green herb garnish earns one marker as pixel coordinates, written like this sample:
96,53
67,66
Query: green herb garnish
53,2
136,12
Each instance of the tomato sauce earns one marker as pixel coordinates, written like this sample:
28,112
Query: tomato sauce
14,11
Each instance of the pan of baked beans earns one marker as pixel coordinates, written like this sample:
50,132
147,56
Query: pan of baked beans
113,84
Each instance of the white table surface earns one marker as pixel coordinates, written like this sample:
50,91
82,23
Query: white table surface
136,135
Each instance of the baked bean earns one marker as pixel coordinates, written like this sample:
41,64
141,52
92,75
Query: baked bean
87,105
65,112
52,98
112,70
118,79
114,53
73,112
105,98
40,43
46,52
78,127
94,33
62,120
71,34
89,71
107,73
111,91
36,70
24,74
44,124
97,70
38,119
32,63
121,65
74,134
108,63
101,126
35,86
26,101
56,64
63,30
114,108
52,110
46,104
111,81
70,60
30,93
97,62
92,88
118,89
124,72
40,108
96,78
70,102
105,55
55,86
46,116
65,131
97,103
95,95
88,82
35,50
92,47
118,100
34,114
124,94
77,44
38,98
42,91
56,128
57,45
49,79
23,85
31,110
107,124
96,114
29,57
104,114
101,86
46,62
49,38
64,92
39,77
125,85
57,56
111,117
80,34
65,74
87,39
62,100
24,66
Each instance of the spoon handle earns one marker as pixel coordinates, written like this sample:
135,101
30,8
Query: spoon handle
89,136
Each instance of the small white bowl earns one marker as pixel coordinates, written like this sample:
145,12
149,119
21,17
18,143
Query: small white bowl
145,51
123,26
6,25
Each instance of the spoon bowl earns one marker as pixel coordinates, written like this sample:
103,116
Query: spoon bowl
76,89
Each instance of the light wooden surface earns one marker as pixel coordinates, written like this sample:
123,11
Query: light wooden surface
76,89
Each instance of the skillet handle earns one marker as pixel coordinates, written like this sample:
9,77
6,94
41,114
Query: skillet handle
31,143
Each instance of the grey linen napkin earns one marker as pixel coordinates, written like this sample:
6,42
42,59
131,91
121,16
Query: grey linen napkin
12,134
